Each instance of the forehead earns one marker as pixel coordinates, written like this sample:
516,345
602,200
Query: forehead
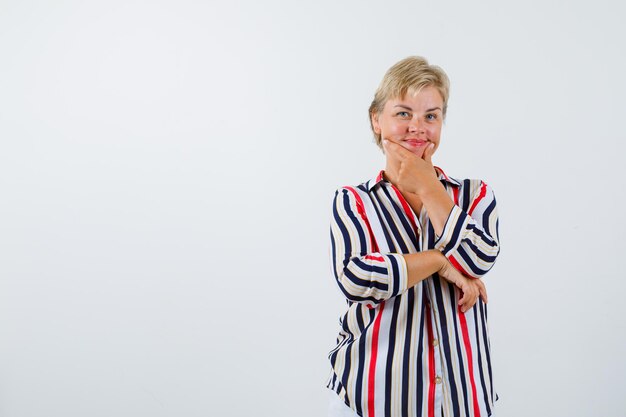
426,97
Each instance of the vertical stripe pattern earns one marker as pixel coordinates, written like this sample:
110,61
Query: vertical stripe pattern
409,352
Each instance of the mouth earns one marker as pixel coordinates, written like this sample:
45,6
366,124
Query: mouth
416,142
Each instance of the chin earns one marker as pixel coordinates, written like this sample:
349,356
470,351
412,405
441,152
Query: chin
419,152
411,149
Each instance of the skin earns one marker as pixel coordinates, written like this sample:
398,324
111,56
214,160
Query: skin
410,128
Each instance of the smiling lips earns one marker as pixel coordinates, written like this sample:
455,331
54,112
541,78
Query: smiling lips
416,142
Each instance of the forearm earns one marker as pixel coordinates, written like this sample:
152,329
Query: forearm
470,236
438,205
435,200
421,265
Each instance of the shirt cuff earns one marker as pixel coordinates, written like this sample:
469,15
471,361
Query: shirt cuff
397,273
453,231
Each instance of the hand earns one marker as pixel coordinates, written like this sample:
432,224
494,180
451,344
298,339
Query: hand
406,170
478,288
471,288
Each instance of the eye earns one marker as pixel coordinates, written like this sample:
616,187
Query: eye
431,116
403,114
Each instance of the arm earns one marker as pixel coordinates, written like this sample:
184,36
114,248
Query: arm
368,276
421,264
468,239
362,273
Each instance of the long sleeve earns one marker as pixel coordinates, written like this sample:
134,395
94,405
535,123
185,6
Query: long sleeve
415,353
362,272
470,237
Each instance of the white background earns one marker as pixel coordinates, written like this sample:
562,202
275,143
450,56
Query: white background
167,170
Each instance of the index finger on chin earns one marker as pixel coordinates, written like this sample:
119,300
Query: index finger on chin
391,149
397,150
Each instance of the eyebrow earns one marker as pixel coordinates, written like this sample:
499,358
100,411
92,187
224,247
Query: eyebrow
408,108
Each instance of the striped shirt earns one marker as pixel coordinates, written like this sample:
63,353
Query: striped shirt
411,351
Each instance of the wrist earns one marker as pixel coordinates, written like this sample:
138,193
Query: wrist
440,259
428,187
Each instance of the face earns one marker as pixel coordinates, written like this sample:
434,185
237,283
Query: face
413,121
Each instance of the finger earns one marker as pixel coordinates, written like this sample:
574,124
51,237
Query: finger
465,297
471,296
483,291
391,149
470,303
467,304
428,153
397,149
393,158
475,299
462,299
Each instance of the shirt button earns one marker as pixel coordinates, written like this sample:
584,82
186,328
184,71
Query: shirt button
438,380
435,342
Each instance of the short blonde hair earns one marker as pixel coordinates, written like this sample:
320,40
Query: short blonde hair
410,74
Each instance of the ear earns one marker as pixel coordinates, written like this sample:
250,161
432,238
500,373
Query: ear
375,124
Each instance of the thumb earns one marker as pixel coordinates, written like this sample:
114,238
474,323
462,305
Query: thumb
428,153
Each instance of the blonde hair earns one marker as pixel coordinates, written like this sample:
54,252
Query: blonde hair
411,74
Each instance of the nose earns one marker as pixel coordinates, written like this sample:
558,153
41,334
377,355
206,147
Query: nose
415,126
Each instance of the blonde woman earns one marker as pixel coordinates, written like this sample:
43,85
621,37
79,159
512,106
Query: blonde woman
410,247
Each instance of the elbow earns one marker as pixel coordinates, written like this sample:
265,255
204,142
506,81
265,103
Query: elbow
360,286
475,264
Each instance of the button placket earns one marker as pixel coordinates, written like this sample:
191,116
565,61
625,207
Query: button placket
434,342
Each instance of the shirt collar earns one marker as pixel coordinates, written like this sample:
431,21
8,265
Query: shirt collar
441,175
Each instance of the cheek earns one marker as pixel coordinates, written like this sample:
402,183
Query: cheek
396,128
434,132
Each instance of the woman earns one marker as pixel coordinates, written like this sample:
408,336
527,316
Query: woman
410,247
